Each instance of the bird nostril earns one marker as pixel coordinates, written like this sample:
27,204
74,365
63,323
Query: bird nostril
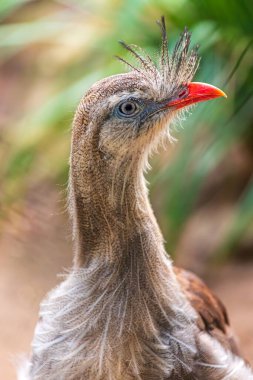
182,93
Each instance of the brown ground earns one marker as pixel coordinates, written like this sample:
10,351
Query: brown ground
29,268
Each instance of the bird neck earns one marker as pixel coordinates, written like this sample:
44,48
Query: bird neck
127,285
112,216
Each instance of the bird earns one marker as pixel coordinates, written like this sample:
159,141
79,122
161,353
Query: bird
124,311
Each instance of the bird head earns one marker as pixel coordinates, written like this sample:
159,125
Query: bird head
125,115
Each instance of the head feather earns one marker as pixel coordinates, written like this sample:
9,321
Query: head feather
173,69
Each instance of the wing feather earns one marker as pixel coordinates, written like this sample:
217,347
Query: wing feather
212,315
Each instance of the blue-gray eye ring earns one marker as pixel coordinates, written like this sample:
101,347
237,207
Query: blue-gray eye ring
128,108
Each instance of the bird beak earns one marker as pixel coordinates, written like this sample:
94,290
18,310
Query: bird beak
196,92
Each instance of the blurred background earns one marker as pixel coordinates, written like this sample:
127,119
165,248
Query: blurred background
201,187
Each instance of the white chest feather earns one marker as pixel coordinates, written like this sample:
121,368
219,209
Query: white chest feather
94,328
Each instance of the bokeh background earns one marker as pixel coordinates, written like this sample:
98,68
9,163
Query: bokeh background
201,187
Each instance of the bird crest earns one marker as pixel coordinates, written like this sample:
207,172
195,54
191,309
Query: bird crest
171,70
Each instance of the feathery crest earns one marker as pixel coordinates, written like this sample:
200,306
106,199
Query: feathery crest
173,69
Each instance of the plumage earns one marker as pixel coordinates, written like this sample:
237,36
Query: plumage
124,311
212,314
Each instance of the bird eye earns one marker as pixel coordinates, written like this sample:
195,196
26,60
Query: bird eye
128,108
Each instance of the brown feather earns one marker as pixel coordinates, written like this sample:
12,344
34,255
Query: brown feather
212,314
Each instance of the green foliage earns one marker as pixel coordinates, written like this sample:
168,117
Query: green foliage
40,138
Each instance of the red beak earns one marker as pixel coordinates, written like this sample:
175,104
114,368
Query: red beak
196,92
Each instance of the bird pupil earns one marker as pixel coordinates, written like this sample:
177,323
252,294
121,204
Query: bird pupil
128,107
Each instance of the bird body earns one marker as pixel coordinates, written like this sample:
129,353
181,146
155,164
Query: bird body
124,312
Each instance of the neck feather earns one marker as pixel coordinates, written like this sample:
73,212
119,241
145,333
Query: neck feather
111,212
125,283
